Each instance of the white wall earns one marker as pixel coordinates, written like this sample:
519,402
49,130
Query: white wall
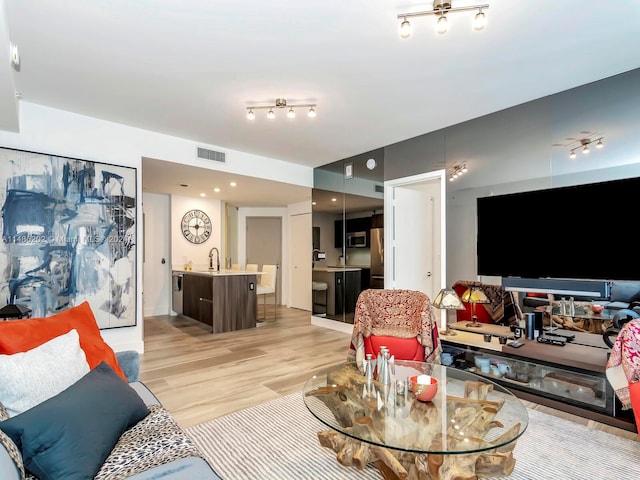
56,132
183,251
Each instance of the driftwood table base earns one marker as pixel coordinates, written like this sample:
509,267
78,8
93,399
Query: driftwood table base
397,465
474,414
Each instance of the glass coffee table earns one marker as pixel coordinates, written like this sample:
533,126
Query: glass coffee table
469,428
582,320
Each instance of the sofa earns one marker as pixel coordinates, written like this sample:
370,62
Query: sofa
72,408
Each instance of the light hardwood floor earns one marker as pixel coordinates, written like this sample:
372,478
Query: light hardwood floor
199,376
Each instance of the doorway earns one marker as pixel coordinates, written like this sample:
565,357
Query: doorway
415,216
264,245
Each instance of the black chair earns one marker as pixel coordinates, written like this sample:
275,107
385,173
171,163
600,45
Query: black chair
619,319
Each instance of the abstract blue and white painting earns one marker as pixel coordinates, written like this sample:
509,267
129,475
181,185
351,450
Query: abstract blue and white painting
68,235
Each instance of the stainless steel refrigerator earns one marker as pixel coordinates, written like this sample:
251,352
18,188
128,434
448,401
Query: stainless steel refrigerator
377,258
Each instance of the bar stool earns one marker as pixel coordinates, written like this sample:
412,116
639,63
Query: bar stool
317,288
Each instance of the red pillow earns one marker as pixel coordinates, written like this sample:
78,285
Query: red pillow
537,294
23,335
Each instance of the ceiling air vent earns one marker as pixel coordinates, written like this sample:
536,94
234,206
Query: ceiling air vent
211,155
379,188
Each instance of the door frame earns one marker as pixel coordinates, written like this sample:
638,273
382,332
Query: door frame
390,220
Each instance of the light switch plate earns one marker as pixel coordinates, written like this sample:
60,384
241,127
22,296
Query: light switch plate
348,170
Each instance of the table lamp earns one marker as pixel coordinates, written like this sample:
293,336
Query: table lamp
474,295
447,299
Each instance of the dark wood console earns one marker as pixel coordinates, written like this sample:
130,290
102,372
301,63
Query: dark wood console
570,378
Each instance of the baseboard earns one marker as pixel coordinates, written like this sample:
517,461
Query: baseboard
332,324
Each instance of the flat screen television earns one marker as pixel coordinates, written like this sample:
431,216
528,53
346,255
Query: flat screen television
577,232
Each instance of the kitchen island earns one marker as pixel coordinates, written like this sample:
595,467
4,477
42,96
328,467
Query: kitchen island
343,287
224,300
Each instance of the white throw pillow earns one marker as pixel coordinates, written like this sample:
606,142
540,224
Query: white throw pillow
29,378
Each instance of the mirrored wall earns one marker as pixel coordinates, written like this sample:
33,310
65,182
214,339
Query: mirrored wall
348,216
522,148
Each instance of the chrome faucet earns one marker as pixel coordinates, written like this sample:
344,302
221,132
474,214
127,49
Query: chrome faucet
217,268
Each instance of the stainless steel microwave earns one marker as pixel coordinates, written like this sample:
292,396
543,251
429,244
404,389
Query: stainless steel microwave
356,240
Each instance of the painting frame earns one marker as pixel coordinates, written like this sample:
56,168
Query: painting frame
69,235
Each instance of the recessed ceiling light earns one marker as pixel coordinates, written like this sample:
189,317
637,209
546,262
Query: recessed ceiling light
233,184
313,203
183,185
203,194
334,199
217,190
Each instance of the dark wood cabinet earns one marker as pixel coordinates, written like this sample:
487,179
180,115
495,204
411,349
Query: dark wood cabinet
224,302
347,289
377,220
198,298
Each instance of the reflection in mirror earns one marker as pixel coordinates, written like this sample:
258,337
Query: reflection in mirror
347,202
528,147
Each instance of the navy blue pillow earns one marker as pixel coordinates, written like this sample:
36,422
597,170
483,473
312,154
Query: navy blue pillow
70,435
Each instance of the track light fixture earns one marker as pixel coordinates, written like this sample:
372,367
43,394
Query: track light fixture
281,103
584,144
457,171
442,8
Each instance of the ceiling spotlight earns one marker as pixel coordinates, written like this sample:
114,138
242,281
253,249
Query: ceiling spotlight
281,103
480,21
457,171
584,143
442,9
405,29
233,184
217,190
443,25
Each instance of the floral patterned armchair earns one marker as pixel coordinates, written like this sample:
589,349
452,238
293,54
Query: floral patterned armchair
402,320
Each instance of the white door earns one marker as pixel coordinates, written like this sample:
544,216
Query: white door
264,245
156,266
415,217
301,242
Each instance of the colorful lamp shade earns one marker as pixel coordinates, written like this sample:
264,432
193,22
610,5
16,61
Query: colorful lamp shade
474,295
447,299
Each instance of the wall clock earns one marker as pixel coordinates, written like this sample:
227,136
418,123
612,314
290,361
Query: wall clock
196,226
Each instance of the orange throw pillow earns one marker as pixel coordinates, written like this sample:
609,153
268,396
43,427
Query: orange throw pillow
24,335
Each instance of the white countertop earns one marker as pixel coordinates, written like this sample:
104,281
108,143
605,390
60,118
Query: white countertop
220,273
337,269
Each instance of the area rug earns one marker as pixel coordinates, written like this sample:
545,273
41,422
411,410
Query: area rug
277,440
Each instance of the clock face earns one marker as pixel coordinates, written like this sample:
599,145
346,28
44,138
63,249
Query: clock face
196,226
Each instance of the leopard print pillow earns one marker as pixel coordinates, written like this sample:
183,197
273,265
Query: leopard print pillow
14,453
155,440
